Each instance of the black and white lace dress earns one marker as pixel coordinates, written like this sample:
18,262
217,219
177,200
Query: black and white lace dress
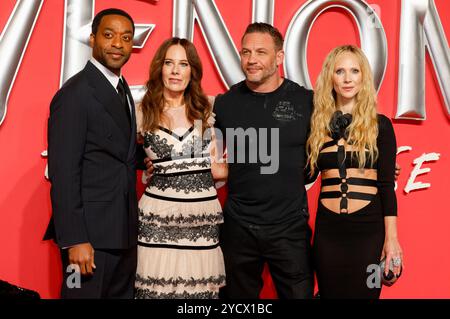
179,216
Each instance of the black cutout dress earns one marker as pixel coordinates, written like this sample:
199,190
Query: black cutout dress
348,241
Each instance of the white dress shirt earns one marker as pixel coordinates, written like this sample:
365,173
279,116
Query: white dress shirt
112,78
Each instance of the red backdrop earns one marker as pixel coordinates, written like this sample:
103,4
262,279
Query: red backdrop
24,193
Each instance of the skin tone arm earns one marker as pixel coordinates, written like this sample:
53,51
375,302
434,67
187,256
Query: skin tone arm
219,167
391,247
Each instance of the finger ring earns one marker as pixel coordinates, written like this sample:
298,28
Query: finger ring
397,261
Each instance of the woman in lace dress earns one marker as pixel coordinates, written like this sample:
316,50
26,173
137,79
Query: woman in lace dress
178,253
354,148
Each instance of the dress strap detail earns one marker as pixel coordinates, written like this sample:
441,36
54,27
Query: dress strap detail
328,144
351,195
144,244
351,181
174,158
174,199
170,132
191,172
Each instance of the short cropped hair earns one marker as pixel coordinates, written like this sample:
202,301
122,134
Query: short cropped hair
111,11
261,27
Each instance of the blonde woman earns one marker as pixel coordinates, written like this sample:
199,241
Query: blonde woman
354,149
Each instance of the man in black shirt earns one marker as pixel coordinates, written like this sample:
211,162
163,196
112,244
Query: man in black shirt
265,120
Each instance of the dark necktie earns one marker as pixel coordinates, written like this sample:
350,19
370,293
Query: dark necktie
123,98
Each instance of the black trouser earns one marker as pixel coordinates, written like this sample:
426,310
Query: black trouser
285,247
113,278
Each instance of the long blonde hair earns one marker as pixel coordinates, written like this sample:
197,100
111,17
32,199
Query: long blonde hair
363,130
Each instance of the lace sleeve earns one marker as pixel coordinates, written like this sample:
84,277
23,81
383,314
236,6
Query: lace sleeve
139,119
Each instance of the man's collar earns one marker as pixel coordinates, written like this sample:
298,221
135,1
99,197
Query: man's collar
112,78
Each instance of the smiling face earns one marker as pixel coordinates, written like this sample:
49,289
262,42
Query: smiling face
347,77
259,58
113,42
176,70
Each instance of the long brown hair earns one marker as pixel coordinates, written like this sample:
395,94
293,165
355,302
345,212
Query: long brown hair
197,104
363,130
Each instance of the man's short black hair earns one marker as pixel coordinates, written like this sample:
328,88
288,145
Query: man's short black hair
261,27
111,11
